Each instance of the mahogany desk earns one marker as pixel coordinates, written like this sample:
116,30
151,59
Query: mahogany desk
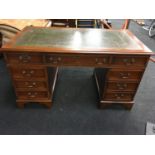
33,58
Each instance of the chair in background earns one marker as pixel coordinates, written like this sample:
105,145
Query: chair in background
63,23
7,32
106,24
126,24
85,23
59,23
0,40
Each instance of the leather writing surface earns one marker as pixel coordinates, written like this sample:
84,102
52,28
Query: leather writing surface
76,38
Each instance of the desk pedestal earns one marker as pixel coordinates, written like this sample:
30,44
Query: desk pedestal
117,86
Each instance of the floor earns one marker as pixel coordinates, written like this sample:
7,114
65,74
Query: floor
75,109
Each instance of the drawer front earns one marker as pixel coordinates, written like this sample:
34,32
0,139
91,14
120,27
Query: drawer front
28,73
124,75
121,86
129,61
32,95
77,60
24,58
119,96
31,84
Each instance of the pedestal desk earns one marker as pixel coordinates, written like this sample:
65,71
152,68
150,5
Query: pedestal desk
33,58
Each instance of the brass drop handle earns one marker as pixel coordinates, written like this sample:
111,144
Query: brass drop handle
55,60
101,62
34,83
121,86
129,61
124,75
26,73
119,96
30,85
25,58
51,58
32,95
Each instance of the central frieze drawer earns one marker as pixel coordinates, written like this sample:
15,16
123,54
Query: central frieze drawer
124,75
24,58
82,60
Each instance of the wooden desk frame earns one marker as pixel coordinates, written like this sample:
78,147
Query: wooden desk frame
117,73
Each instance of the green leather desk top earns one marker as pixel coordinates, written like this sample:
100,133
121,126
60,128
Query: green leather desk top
77,39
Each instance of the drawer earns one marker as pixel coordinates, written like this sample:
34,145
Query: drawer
24,58
117,96
129,61
123,86
32,95
28,72
81,60
31,84
124,75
